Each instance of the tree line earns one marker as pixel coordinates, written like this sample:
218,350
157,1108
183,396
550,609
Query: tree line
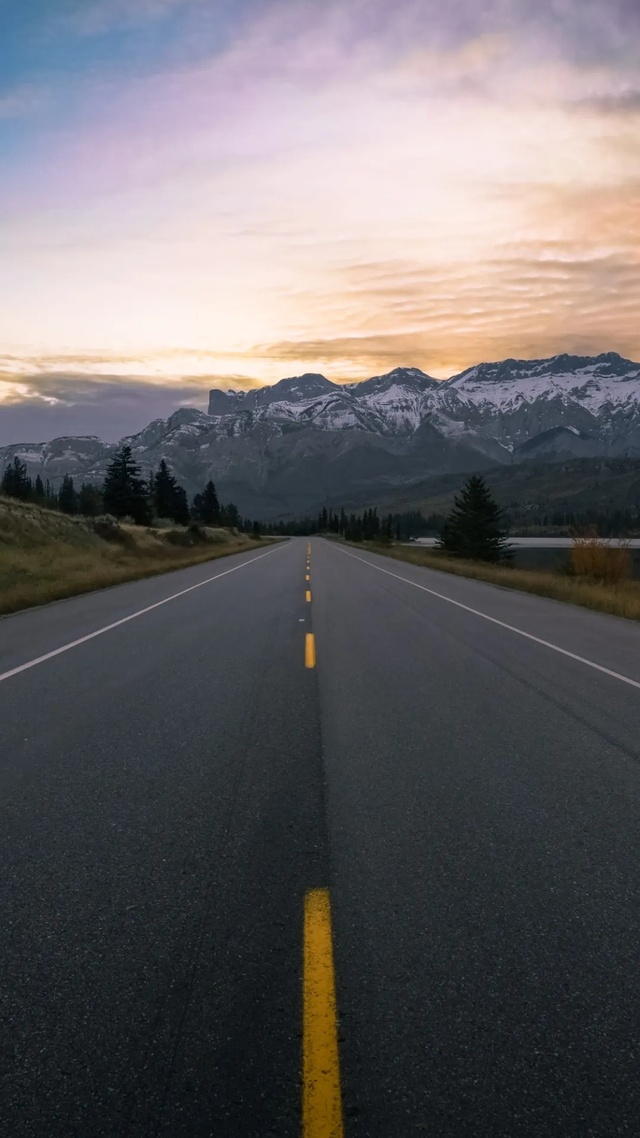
125,493
365,526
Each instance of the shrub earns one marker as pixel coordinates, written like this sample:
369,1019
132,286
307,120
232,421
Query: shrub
596,558
109,529
193,535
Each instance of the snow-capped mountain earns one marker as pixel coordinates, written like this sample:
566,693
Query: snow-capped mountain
508,403
598,398
306,441
386,404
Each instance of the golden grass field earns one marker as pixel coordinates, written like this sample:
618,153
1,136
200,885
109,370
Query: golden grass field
45,556
621,598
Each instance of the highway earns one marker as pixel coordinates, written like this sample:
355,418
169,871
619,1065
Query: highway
315,843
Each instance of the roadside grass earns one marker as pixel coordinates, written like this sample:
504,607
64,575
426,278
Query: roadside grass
619,599
46,556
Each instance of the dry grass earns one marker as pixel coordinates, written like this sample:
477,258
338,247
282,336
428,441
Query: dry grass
45,556
595,558
619,599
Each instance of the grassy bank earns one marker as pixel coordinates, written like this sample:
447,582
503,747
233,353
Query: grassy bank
45,556
622,599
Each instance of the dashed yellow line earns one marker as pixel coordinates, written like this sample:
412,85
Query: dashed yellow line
321,1093
308,577
308,596
309,650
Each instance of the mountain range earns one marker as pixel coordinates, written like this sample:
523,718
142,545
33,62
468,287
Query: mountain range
285,449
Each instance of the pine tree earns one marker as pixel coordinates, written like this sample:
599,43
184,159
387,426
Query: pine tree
473,528
125,492
89,500
15,482
68,498
230,516
180,513
164,492
209,506
38,489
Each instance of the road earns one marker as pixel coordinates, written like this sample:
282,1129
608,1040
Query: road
409,796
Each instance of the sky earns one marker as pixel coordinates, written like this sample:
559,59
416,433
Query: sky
199,193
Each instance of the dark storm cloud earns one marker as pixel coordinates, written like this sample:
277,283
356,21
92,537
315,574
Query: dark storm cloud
46,406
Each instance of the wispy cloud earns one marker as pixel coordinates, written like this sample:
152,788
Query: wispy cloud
281,186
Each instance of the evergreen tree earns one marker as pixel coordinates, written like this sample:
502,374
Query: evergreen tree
208,506
125,492
15,482
169,499
230,516
255,529
68,498
89,500
50,497
38,489
180,506
473,528
164,492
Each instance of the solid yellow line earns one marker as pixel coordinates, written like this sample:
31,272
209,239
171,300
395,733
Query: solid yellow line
321,1095
309,650
308,595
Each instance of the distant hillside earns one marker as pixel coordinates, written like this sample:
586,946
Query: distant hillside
576,486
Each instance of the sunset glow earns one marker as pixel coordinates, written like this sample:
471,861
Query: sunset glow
197,194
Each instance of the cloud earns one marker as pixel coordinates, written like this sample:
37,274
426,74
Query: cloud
43,404
36,407
623,103
341,186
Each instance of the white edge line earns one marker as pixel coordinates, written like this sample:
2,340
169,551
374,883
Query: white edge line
494,620
125,619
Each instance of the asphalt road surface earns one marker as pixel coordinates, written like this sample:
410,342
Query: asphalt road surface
453,789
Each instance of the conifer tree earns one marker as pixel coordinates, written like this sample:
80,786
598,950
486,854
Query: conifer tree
125,492
15,482
208,505
180,512
68,498
164,491
230,516
89,500
38,489
473,529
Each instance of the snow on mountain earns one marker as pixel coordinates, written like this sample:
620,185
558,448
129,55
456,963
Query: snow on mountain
607,379
286,447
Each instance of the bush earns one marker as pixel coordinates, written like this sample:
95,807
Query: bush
596,558
193,535
109,529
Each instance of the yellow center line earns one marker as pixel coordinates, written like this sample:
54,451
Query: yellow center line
308,577
321,1094
308,597
309,650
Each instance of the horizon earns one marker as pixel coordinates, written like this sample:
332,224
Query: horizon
285,379
197,196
